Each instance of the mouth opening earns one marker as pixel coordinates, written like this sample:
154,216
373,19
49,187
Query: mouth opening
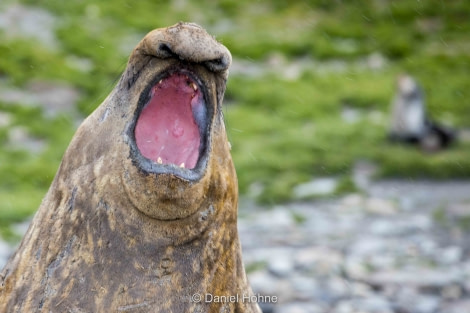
171,126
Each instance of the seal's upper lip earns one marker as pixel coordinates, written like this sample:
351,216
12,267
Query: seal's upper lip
171,126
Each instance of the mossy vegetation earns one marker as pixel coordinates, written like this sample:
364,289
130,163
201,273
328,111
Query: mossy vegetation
305,64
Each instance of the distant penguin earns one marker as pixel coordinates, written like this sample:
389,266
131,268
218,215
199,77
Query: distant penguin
410,122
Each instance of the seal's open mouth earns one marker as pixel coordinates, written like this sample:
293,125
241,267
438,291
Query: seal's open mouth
171,127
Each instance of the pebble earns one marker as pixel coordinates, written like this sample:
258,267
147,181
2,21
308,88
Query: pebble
19,138
5,119
5,251
351,115
304,287
380,207
450,255
299,307
280,266
372,304
29,22
320,260
54,98
460,306
409,299
264,283
316,187
420,278
376,61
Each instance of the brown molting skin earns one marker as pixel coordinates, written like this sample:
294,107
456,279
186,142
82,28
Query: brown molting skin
117,232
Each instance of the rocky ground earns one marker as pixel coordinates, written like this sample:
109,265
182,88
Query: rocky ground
399,246
395,247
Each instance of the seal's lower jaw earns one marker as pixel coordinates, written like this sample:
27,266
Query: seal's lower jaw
172,126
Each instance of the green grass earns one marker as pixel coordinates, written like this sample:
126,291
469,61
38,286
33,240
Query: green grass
283,131
256,266
25,177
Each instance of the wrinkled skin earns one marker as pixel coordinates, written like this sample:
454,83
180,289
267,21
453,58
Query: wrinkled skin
119,233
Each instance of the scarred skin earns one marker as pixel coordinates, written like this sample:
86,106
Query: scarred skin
117,233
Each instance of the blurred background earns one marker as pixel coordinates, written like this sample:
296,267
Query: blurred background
333,217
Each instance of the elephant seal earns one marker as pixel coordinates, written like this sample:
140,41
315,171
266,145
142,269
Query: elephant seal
142,213
410,122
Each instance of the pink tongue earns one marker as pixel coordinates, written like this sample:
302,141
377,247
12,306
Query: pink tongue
166,131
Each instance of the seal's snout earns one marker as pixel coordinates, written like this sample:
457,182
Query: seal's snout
188,42
219,64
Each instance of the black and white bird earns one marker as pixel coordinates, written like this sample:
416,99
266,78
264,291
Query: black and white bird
410,122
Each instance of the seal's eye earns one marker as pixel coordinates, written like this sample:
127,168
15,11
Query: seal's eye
170,128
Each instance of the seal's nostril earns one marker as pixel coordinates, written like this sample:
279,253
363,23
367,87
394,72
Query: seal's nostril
164,50
219,64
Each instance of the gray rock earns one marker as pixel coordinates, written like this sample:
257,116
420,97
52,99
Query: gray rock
377,117
278,218
426,194
20,228
5,119
245,67
452,292
426,304
5,252
316,187
356,268
80,63
369,245
461,306
19,138
450,255
352,202
263,283
363,172
351,115
385,227
419,278
267,307
373,304
54,98
464,135
359,290
338,288
281,265
410,300
427,246
300,307
304,287
413,224
376,61
319,260
458,210
29,22
380,206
